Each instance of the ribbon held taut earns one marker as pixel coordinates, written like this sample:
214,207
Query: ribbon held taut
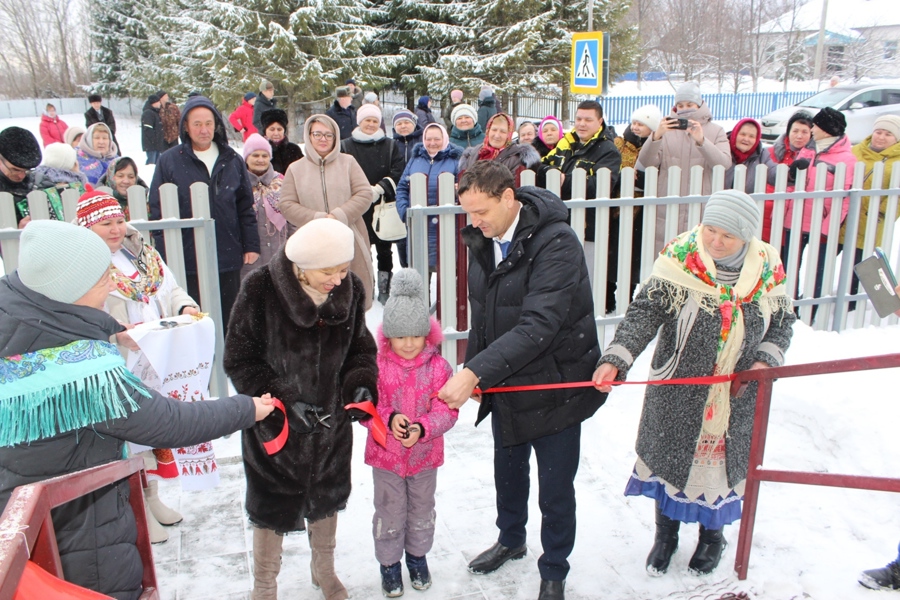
580,384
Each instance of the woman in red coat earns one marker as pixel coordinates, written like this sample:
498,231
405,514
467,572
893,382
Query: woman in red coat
52,127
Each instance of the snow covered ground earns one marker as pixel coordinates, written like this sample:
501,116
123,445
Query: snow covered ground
809,542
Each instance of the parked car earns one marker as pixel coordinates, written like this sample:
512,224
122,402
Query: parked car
861,104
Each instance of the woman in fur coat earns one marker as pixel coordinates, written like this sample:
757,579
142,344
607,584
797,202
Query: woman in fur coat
716,299
302,335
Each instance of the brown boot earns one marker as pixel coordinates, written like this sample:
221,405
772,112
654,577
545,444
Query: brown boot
321,543
266,563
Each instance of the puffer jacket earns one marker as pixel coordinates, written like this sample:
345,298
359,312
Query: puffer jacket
677,148
445,161
315,187
469,138
533,322
242,119
96,533
406,143
890,157
53,129
407,387
838,152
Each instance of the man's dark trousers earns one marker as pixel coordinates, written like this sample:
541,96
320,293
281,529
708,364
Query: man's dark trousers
557,460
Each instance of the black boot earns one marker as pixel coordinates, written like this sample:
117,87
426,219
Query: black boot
419,575
664,545
887,578
384,286
552,590
493,558
709,551
392,580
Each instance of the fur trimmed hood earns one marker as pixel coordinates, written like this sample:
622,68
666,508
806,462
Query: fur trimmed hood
432,343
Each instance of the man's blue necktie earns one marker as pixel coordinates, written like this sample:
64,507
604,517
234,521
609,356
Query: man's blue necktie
504,248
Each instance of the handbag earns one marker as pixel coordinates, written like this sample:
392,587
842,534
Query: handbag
386,222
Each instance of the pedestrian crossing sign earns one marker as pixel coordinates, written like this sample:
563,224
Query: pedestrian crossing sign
587,63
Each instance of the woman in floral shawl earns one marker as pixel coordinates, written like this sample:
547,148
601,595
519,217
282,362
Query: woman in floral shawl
716,298
498,146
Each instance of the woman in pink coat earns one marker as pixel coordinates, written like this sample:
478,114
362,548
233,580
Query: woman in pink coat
53,129
410,371
832,148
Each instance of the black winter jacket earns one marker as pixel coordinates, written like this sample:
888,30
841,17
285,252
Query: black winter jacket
96,533
344,117
381,161
533,322
230,194
406,143
283,154
152,138
299,352
261,105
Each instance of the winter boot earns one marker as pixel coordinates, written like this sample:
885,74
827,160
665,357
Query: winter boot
384,286
887,578
709,551
664,545
419,575
163,514
158,533
322,542
266,563
392,580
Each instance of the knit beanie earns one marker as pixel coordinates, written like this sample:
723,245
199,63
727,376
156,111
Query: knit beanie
689,91
405,313
456,96
95,206
59,156
463,109
890,123
20,148
485,93
320,244
830,121
273,115
649,115
368,110
265,84
60,260
423,102
734,211
249,96
153,98
370,98
73,132
256,142
800,115
405,114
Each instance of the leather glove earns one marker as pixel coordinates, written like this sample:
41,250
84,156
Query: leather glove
360,395
309,416
801,164
377,192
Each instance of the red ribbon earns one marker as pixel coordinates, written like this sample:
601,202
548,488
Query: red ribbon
580,384
379,431
273,446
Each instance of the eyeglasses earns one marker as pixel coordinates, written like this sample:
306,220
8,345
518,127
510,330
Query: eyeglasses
14,170
318,135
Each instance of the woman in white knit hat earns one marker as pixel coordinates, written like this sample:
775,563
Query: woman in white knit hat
57,173
716,300
302,334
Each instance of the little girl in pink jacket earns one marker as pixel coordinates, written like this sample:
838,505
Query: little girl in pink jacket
410,371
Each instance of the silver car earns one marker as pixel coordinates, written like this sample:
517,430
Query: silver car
861,105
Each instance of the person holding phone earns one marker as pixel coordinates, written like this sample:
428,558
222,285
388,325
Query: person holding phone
685,138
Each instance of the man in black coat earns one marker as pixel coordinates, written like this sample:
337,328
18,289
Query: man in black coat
153,142
204,155
98,113
20,153
532,323
343,112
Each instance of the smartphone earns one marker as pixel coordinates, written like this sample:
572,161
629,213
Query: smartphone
682,123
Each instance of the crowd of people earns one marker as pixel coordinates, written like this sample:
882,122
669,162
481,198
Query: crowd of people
294,230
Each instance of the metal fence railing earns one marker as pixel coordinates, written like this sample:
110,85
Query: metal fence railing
829,309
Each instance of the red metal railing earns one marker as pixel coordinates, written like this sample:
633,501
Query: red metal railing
756,473
26,528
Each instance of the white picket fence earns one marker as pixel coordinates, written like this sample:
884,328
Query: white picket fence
833,303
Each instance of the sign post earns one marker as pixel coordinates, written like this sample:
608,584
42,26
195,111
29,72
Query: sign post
590,61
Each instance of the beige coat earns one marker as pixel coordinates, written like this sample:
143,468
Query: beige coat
677,148
315,187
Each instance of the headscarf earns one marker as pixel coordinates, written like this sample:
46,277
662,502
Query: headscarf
87,143
488,152
739,155
559,126
444,136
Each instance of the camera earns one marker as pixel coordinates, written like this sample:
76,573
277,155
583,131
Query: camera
682,123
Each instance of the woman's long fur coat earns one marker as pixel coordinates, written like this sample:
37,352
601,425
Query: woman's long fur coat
280,342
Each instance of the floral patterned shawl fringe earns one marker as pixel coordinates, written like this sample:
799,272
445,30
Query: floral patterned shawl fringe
56,390
685,269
